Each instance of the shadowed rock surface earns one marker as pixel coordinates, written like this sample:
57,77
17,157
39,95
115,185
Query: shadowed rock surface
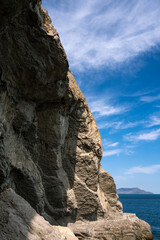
50,147
19,221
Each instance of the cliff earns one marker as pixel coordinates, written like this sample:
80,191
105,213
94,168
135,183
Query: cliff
50,147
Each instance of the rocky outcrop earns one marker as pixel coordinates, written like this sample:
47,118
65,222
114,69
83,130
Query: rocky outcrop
50,147
125,227
19,221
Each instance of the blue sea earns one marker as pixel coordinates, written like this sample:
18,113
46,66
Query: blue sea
146,207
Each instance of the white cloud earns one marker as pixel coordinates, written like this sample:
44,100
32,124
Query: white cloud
149,99
100,108
113,144
140,93
124,149
119,125
96,33
112,152
105,142
146,170
147,136
154,121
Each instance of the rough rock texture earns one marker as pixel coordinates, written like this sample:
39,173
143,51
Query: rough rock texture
19,221
50,144
125,227
50,147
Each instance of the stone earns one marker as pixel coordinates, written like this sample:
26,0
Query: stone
126,227
19,221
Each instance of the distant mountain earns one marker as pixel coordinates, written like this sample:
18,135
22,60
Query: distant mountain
132,191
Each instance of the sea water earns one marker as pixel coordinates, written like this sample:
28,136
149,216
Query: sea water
146,207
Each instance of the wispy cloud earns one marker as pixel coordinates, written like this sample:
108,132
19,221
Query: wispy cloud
146,136
146,170
110,148
149,99
141,93
113,144
112,152
119,125
154,121
117,152
103,33
100,108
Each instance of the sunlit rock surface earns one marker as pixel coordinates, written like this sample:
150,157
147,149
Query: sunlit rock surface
125,227
50,147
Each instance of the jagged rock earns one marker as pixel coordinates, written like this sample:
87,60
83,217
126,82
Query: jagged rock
19,221
50,144
50,147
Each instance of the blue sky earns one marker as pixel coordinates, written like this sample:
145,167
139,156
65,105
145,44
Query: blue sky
113,48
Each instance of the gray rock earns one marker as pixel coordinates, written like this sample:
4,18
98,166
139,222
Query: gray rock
19,221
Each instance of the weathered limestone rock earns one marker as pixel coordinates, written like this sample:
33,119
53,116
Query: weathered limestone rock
19,221
50,147
108,188
126,227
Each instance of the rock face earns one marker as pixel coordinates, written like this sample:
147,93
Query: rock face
50,147
19,221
